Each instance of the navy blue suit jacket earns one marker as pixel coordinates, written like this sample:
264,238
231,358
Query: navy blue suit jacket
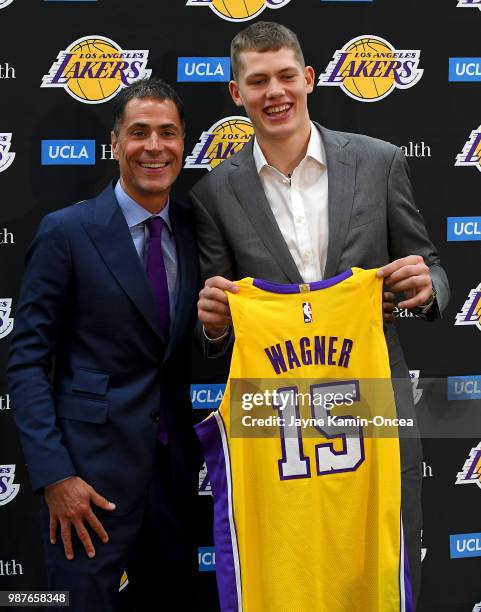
89,370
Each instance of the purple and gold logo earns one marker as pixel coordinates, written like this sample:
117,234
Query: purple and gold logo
368,68
219,142
238,10
469,4
6,156
93,69
471,154
471,472
471,311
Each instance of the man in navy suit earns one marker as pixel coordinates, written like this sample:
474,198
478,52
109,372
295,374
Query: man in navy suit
99,372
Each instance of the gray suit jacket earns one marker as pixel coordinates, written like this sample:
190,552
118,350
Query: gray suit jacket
372,221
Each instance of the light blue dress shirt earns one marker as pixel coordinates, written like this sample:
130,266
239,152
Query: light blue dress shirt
136,215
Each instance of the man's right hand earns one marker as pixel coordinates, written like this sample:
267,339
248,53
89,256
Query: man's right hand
213,306
69,504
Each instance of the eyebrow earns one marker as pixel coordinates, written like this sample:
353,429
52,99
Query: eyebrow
259,74
162,125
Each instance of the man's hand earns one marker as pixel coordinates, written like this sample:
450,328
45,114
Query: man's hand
213,306
388,306
411,275
69,504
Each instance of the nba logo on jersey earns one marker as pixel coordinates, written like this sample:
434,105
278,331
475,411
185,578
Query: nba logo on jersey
307,312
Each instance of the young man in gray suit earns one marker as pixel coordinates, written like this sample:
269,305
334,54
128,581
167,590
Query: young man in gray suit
299,203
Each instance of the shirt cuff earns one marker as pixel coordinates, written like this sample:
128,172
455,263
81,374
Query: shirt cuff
224,334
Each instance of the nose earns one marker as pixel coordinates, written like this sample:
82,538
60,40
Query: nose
275,89
154,143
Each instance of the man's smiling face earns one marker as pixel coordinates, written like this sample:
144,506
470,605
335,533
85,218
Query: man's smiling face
272,86
149,149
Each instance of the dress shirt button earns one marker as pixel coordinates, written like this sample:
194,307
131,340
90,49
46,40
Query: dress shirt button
306,255
155,416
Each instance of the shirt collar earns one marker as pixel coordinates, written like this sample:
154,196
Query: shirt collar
315,150
134,213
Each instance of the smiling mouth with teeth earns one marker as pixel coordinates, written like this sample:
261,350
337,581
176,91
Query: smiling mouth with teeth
273,110
152,165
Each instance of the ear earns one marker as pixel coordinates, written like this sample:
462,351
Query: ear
114,141
235,93
310,76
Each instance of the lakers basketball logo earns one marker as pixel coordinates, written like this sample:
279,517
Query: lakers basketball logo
93,69
6,156
6,322
471,472
238,10
471,311
307,312
4,3
8,490
218,143
368,68
124,581
471,153
469,4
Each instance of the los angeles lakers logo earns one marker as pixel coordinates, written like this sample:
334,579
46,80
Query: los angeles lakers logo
4,3
471,311
471,154
124,581
469,4
238,10
93,69
471,472
222,140
368,68
6,156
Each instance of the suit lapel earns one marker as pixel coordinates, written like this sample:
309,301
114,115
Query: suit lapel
248,189
187,274
109,232
341,167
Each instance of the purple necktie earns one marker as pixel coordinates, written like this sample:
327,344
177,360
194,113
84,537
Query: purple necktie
158,281
156,272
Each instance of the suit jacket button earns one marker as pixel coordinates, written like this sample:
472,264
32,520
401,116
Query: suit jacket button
155,416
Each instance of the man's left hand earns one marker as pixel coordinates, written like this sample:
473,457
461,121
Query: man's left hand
411,275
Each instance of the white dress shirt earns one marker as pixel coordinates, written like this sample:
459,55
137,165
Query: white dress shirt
299,204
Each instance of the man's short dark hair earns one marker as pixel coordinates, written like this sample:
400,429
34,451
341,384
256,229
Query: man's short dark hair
145,88
264,36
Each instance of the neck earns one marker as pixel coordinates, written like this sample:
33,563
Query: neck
286,154
152,202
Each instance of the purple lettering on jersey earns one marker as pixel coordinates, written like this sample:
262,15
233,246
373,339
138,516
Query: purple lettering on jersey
332,350
306,353
291,356
345,353
276,358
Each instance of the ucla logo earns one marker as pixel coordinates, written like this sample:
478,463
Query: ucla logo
471,472
8,490
471,154
471,311
238,10
469,4
307,312
368,68
4,3
6,157
93,69
6,323
205,487
223,139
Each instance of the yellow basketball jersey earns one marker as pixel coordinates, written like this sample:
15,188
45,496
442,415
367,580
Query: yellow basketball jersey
307,502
